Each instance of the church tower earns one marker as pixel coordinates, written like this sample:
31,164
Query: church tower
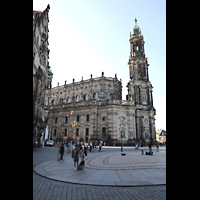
140,88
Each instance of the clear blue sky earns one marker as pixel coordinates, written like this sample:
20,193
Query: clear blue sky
91,36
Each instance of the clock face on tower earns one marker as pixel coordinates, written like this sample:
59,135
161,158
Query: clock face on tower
122,119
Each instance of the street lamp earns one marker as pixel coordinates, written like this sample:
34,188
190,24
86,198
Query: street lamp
121,137
62,132
121,142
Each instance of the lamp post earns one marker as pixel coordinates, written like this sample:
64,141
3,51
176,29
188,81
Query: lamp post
121,137
62,132
121,142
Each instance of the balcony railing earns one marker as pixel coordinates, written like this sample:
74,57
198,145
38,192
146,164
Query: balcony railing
98,102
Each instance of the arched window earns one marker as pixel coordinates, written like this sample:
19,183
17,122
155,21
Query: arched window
68,100
86,97
103,132
108,95
77,98
66,119
96,95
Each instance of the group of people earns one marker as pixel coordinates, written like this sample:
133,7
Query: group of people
150,148
78,152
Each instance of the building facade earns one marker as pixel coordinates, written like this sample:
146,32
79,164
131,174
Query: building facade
161,135
42,74
93,109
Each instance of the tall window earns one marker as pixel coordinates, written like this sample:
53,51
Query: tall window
108,95
77,118
49,85
103,132
68,100
86,97
77,98
87,118
66,119
65,132
54,132
56,120
77,132
96,95
87,131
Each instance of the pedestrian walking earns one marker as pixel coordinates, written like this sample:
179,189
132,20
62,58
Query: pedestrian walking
73,149
58,151
76,157
62,150
82,163
99,146
36,145
85,148
157,147
90,146
142,148
150,149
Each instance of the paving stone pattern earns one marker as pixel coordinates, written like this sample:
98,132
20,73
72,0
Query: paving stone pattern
44,188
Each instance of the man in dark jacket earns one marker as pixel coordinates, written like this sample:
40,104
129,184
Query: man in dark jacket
150,149
62,149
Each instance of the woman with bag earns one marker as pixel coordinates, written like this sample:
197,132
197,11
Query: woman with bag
76,157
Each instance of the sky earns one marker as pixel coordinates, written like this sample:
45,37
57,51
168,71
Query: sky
92,36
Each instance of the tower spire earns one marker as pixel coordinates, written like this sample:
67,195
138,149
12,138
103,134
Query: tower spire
136,28
135,22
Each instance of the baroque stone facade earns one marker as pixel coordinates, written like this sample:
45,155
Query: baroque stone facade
93,109
42,74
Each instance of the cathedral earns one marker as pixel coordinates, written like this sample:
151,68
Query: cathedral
93,110
42,73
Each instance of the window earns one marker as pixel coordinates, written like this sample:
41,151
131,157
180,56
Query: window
96,95
86,97
108,95
49,85
109,85
56,120
68,100
66,119
87,131
54,132
77,118
65,132
103,132
77,132
77,98
87,118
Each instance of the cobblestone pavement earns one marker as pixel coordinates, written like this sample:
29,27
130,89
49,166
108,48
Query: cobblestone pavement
48,189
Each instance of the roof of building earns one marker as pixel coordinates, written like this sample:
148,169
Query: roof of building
34,13
161,132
